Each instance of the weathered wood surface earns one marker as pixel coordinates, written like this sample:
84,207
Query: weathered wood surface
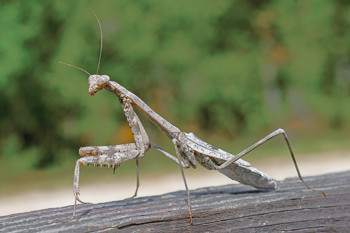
229,208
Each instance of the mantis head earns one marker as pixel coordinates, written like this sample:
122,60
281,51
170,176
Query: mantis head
97,82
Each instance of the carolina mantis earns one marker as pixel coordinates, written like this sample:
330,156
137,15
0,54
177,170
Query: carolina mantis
187,145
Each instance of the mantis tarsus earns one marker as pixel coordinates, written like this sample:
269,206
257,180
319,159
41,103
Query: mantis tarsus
187,145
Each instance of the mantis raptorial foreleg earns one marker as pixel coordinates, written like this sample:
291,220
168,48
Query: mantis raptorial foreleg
138,131
104,156
112,156
142,141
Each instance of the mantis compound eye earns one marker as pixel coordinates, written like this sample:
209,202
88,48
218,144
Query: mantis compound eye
97,82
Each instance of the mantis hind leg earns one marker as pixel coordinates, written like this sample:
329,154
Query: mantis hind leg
260,142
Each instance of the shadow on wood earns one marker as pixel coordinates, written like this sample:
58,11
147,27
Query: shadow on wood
229,208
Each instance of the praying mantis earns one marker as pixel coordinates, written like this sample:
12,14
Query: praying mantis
187,145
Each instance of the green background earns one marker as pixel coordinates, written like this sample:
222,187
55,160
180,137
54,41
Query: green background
230,71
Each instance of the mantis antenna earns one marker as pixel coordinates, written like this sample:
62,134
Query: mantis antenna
74,67
99,58
101,36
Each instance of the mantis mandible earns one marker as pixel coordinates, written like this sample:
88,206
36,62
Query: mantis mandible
187,145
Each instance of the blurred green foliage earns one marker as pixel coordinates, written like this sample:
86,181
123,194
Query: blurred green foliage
223,66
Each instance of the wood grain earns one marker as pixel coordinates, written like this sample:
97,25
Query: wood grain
229,208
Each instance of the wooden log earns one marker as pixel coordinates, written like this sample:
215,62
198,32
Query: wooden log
230,208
